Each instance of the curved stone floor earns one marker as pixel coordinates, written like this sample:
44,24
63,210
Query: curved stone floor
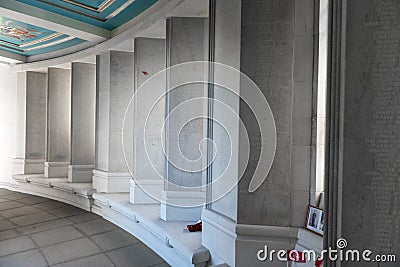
36,232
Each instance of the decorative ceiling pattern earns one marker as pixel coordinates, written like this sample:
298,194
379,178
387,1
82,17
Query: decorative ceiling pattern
107,14
27,40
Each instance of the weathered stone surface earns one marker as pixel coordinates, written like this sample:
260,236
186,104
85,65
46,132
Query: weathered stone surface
370,197
83,108
115,87
59,107
186,43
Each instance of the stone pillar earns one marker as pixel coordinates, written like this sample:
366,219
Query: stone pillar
148,169
272,43
115,87
83,109
186,42
58,122
31,123
362,188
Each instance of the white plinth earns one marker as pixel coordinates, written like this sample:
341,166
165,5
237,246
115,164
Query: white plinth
28,166
111,182
80,173
182,205
238,244
56,169
146,191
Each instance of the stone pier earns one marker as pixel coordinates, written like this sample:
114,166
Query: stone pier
31,123
58,122
148,166
83,108
115,87
363,127
272,43
186,42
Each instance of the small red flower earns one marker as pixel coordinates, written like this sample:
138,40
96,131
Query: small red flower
197,227
318,262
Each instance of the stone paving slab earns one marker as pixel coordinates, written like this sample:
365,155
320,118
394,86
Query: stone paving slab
10,205
32,258
66,211
16,212
16,245
70,250
85,217
133,256
8,234
114,239
15,196
55,236
39,232
33,218
50,205
5,192
43,226
95,227
99,260
6,225
33,200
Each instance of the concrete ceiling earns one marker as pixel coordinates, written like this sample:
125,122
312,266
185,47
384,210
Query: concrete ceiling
106,14
27,39
95,39
34,28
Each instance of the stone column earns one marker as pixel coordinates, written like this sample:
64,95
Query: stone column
362,188
58,122
31,123
115,87
186,42
148,169
83,109
272,43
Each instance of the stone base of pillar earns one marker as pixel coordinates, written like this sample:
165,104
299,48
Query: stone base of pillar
56,169
111,182
146,191
28,166
182,205
239,244
80,173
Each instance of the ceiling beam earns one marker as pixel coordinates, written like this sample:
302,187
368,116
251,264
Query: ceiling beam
10,57
159,11
48,20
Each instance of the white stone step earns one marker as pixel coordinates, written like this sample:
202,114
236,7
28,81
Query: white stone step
143,221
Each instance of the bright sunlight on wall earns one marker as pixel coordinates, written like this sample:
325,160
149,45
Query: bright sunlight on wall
8,115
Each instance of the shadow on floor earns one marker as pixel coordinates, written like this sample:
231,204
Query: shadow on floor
36,232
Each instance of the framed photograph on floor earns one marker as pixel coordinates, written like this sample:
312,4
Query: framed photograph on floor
315,220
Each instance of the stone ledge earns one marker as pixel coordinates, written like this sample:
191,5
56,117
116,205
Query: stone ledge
24,178
170,240
76,194
237,244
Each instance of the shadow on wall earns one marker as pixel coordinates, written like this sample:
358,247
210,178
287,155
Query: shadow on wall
8,125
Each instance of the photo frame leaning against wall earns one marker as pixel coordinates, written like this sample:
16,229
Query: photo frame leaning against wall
315,220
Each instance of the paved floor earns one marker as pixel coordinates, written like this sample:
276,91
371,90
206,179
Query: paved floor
36,232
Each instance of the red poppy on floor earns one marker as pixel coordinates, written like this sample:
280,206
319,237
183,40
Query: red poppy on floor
318,262
197,227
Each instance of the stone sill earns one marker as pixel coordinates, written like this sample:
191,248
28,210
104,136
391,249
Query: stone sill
170,240
309,240
76,194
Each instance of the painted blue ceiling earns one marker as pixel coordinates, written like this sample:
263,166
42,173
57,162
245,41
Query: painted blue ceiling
92,3
107,14
26,39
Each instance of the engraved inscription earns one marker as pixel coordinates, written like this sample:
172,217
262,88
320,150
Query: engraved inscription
383,141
